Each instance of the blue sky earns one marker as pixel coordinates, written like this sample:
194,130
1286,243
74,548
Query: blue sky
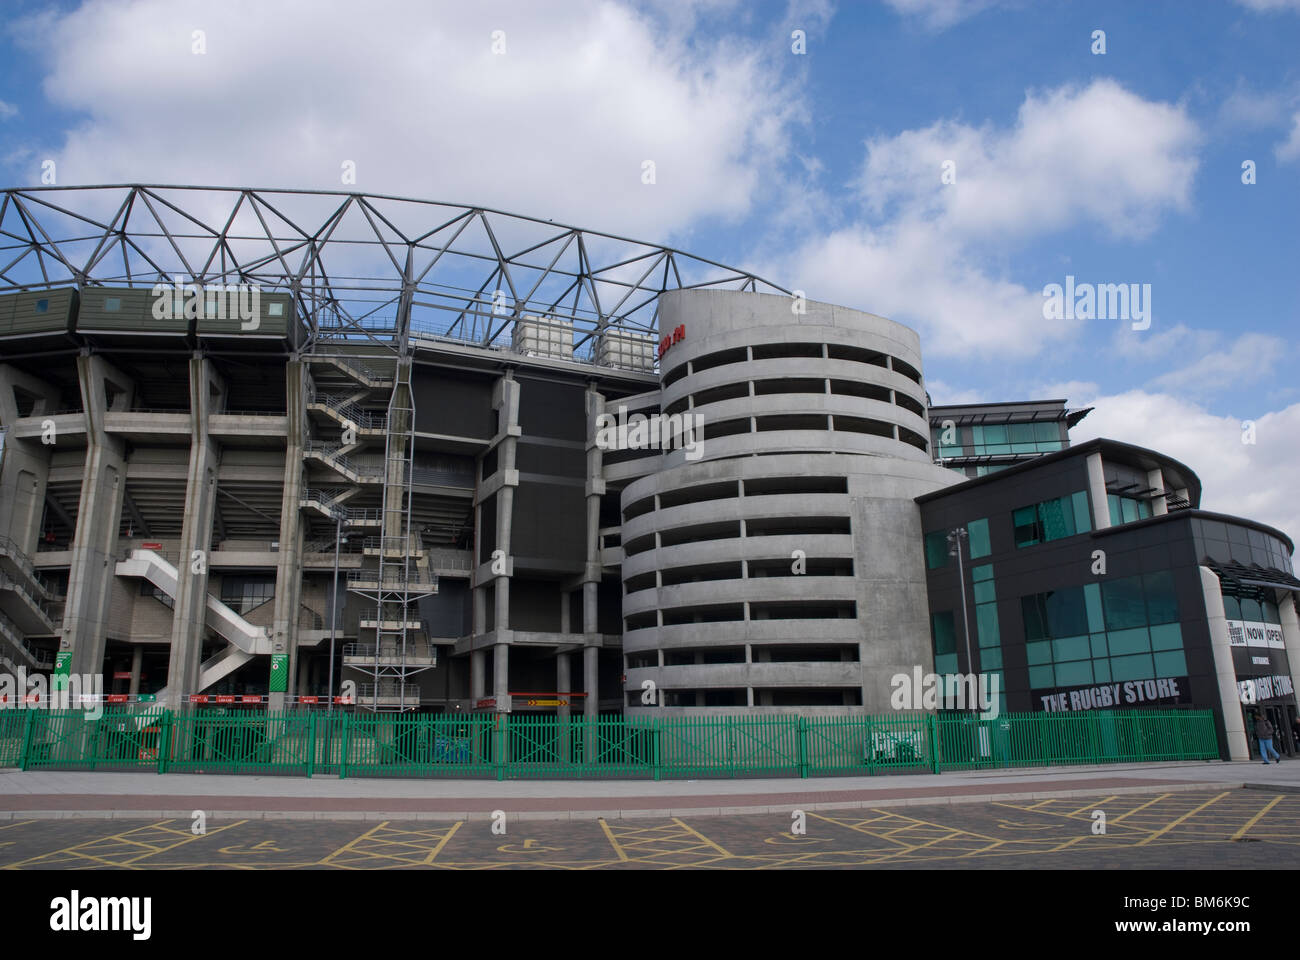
821,170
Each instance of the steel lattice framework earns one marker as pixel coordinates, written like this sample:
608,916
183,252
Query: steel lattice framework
361,267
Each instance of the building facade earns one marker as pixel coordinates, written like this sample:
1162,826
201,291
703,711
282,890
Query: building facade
1094,581
549,483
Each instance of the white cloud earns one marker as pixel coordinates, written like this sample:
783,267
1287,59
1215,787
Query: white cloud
1256,481
1097,154
1247,359
1157,343
913,273
938,14
7,110
1288,150
1270,6
943,394
559,126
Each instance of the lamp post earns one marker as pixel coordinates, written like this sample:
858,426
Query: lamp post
334,605
956,537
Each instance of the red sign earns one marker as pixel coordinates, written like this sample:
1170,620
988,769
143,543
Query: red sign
309,699
116,698
121,674
151,546
487,703
198,698
677,336
226,698
342,699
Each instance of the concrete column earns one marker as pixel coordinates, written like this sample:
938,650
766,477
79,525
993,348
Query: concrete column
506,399
595,489
591,676
1291,638
1156,480
26,461
563,678
501,690
501,673
189,620
288,567
564,711
103,484
137,664
477,674
1234,723
1101,518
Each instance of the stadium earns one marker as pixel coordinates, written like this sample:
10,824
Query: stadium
284,447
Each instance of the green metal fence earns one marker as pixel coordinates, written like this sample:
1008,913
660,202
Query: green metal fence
116,739
524,747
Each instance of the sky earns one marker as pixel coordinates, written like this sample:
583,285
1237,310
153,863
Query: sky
939,162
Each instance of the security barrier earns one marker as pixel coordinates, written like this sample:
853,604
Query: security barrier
304,742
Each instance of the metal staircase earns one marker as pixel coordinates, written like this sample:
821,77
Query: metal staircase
395,571
30,606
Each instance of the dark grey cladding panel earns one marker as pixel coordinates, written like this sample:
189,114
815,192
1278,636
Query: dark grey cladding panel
450,611
534,605
554,410
1004,495
549,520
452,402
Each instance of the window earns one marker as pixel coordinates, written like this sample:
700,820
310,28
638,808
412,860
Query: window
1057,613
242,594
275,309
1162,602
1127,509
945,636
977,532
1028,529
42,306
1051,520
936,550
945,641
112,304
1122,600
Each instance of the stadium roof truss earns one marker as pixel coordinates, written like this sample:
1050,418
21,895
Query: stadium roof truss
361,267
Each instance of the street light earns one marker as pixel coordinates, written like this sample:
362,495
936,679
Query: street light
339,539
956,537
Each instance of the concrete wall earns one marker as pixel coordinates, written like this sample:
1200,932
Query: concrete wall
744,510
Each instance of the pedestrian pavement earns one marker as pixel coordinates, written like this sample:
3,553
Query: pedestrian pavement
42,794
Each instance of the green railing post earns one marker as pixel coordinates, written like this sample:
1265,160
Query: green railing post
27,740
164,739
343,748
803,746
932,732
311,742
655,734
731,745
501,754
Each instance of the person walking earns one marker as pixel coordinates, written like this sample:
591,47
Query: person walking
1264,732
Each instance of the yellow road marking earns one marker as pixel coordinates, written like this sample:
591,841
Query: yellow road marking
609,835
689,829
1169,826
82,849
443,842
1256,818
348,847
1162,796
1074,813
